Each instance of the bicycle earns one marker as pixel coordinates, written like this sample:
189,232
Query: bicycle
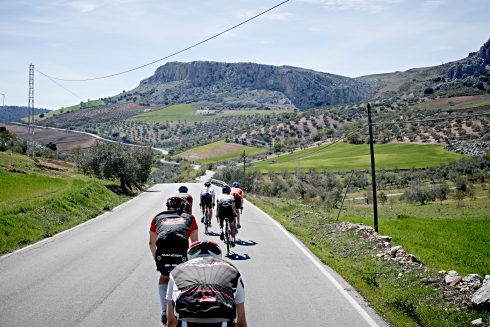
207,220
229,239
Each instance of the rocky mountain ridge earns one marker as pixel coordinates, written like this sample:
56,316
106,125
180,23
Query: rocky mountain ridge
239,85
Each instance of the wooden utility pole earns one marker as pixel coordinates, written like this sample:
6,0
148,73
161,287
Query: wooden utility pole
373,168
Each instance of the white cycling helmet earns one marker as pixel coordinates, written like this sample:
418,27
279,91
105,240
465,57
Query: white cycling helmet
200,249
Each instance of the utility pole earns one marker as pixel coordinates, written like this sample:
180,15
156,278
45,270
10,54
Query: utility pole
30,106
373,169
3,95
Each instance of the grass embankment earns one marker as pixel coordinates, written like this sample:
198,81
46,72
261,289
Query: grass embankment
395,293
344,156
187,112
39,199
219,151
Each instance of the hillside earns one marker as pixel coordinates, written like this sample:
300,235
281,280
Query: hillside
257,104
245,85
466,76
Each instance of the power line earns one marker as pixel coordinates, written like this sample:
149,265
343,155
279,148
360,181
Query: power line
52,80
173,54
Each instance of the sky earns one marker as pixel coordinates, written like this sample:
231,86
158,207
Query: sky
82,39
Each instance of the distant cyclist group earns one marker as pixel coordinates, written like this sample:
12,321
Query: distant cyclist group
196,286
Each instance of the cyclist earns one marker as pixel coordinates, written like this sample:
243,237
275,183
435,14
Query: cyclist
170,232
184,195
206,290
225,208
207,202
237,192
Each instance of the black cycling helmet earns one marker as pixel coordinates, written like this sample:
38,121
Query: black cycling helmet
183,189
208,184
235,184
177,203
203,249
226,189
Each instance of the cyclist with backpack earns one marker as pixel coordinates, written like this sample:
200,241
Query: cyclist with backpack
237,192
184,195
206,290
170,232
225,208
207,202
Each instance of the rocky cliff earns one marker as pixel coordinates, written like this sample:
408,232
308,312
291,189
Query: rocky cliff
476,64
250,85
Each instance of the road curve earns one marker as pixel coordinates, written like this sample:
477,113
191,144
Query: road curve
101,274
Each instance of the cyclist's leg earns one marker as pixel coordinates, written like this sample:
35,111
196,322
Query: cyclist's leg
221,220
238,206
232,222
208,215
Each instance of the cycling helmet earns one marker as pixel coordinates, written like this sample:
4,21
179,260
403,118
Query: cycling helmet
203,249
177,203
226,189
208,184
183,189
235,184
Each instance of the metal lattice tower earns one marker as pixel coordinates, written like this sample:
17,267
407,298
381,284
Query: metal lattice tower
30,105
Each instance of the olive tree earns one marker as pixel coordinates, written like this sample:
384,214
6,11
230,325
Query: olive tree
115,161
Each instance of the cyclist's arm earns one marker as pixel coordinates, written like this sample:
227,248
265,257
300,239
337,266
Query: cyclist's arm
241,319
153,243
171,319
194,236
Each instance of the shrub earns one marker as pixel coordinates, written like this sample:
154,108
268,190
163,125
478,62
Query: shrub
130,165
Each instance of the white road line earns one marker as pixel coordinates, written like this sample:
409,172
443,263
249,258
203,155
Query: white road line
342,291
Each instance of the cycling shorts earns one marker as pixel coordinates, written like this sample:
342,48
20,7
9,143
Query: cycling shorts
206,203
238,202
167,262
214,324
226,214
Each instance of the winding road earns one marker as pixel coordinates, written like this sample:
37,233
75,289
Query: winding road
101,274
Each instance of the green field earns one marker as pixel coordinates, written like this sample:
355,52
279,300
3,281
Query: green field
39,198
344,156
219,151
444,236
187,112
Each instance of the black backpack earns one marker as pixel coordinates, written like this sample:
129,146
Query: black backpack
172,241
207,288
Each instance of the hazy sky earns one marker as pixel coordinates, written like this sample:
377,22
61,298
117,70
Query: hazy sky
77,39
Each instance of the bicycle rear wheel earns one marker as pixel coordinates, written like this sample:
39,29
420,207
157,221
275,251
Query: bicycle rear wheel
227,237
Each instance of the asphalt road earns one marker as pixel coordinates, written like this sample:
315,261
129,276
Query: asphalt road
101,274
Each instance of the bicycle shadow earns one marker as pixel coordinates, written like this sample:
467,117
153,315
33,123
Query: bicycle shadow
245,243
236,256
211,233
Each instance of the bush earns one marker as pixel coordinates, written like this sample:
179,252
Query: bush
130,165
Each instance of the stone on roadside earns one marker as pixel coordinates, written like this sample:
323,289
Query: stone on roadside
393,250
477,322
451,275
481,298
456,280
385,238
